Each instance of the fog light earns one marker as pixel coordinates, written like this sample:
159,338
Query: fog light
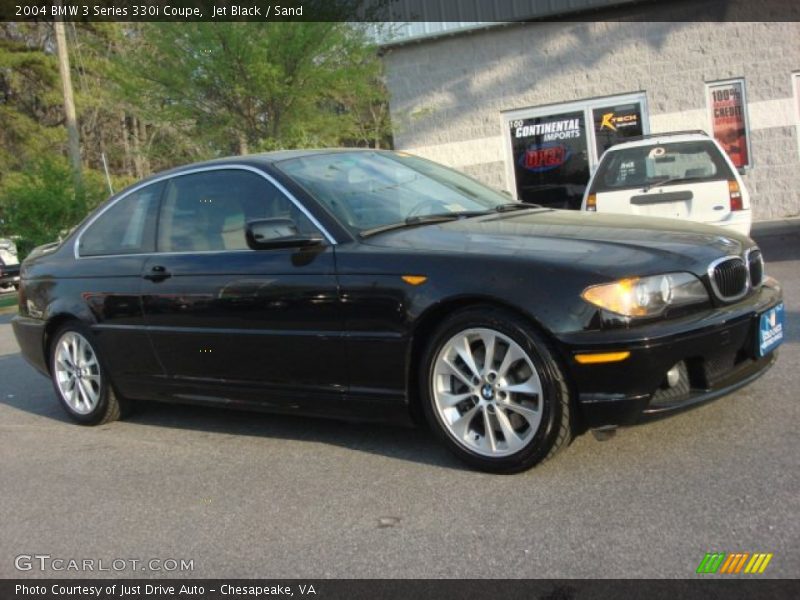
674,375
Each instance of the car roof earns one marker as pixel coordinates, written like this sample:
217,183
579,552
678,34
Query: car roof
263,159
271,157
666,138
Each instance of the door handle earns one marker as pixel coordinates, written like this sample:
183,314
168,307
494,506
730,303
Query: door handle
157,273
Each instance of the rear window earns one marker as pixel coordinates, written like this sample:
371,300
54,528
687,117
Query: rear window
126,227
676,163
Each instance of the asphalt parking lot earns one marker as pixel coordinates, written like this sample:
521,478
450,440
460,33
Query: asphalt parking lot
252,495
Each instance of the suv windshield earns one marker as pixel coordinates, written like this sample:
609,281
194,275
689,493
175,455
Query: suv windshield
369,190
645,166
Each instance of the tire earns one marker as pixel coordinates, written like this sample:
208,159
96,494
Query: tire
526,402
96,403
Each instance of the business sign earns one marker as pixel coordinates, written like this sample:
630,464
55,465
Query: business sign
615,124
550,158
545,157
726,101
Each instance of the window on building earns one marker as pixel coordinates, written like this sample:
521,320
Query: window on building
128,227
727,106
552,150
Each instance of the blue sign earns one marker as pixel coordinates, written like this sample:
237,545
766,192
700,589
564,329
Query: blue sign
770,330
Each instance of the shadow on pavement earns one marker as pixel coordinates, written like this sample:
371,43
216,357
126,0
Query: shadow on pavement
397,442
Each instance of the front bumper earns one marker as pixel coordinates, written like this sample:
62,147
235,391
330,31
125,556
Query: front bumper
716,348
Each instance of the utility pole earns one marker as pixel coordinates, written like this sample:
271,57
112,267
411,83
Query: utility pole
74,145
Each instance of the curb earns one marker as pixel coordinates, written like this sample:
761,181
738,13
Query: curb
775,227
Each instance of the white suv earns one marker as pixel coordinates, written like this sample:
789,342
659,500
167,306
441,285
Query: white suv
684,175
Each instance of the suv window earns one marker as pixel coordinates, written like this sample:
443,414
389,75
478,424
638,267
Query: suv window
643,165
128,227
208,211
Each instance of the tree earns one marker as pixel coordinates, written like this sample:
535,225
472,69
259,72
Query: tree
30,102
246,87
150,96
38,199
41,203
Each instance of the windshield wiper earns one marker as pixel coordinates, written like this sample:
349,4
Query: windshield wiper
648,186
421,220
445,217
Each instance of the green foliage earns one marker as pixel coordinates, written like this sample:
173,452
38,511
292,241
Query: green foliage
30,103
150,96
40,204
248,86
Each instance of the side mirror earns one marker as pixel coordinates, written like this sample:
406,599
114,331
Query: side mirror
265,234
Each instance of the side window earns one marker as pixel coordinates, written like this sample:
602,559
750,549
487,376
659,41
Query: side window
208,211
128,227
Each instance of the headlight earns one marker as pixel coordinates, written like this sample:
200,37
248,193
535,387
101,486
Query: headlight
647,296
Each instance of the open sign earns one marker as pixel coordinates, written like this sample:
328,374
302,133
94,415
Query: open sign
545,158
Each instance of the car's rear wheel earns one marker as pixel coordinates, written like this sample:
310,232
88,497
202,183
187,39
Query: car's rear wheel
79,378
493,390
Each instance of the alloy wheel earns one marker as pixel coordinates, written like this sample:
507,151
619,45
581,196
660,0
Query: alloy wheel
487,392
77,373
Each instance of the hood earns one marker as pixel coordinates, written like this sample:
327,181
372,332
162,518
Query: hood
617,245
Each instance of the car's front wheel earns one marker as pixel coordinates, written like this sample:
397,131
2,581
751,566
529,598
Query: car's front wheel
493,390
79,378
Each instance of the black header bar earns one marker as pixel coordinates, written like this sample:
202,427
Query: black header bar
262,11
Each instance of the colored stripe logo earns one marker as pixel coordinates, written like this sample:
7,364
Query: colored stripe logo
734,563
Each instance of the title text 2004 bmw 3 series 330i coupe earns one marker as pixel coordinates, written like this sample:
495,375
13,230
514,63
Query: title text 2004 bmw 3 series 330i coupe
375,285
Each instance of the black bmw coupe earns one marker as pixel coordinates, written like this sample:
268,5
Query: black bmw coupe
381,286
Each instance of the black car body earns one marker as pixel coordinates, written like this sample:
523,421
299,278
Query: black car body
338,324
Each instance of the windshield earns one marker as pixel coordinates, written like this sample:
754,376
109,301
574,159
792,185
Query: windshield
368,190
676,162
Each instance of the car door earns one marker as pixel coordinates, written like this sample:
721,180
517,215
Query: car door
228,322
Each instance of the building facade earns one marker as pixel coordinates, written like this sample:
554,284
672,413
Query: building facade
529,107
